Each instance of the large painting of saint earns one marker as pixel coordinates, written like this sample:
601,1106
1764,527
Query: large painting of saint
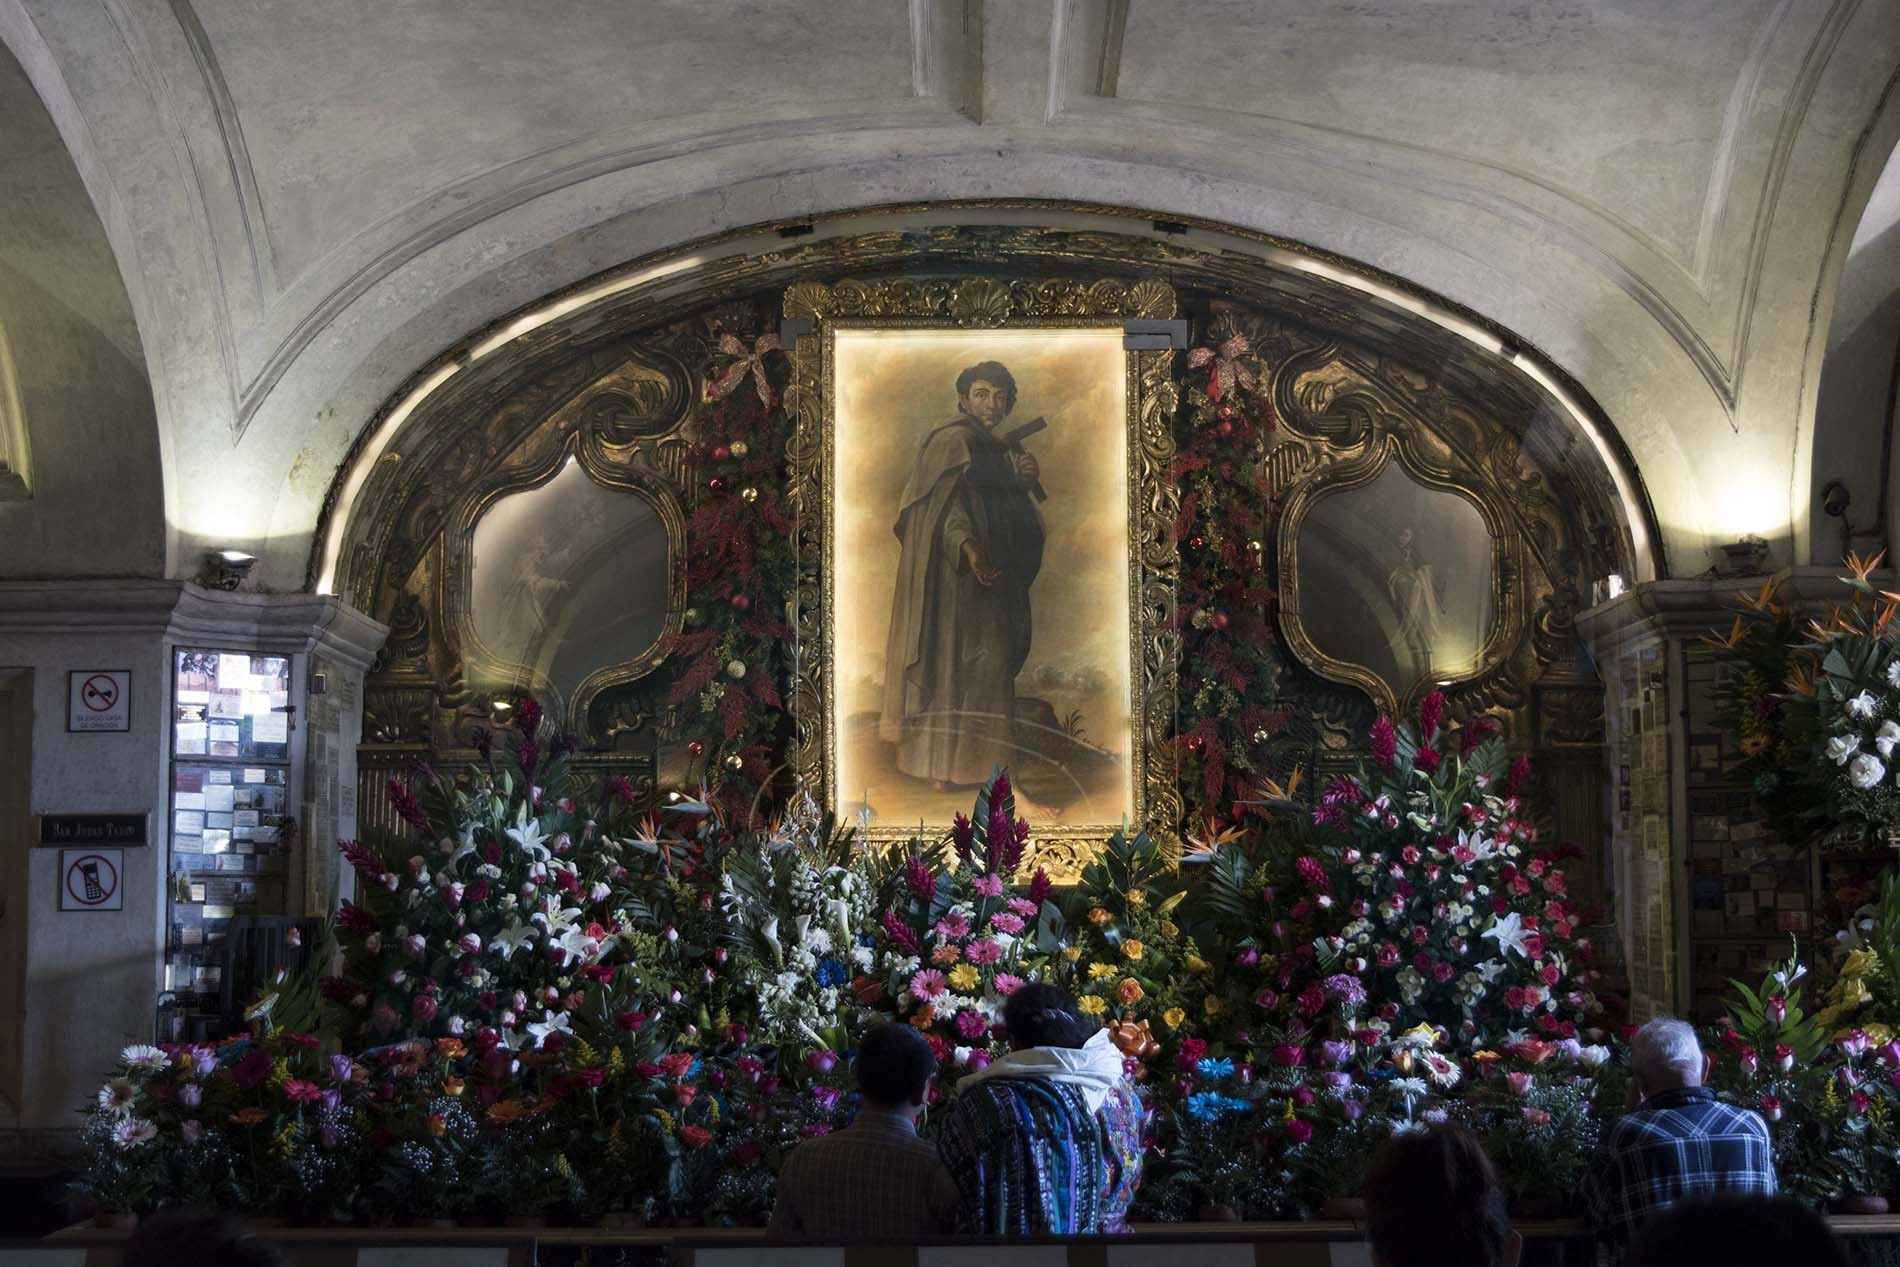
980,572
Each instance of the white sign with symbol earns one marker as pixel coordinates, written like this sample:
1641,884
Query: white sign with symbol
99,699
91,879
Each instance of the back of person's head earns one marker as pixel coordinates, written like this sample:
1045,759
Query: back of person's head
1044,1016
1737,1231
1665,1054
895,1065
197,1238
1433,1200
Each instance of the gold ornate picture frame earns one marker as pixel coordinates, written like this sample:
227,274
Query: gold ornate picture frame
1401,568
885,488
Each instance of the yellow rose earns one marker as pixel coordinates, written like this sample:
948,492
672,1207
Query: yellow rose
1170,928
1072,953
1136,897
1101,971
1093,1004
1173,1017
1098,915
963,977
1196,964
1129,992
1132,948
1212,1005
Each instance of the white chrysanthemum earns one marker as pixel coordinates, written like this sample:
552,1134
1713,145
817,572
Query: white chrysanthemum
1865,770
133,1131
1893,673
1841,748
118,1096
144,1057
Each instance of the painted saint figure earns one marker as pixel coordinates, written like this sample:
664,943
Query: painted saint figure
971,544
1414,592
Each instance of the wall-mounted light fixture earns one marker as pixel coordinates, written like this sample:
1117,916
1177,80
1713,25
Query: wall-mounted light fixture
1747,557
225,569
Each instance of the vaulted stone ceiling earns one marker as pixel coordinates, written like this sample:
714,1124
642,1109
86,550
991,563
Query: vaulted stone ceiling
311,198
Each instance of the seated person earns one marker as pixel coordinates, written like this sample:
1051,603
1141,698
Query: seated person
197,1238
1433,1200
1680,1141
1737,1232
1048,1139
875,1179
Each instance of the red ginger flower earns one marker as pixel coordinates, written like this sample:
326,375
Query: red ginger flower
922,883
1431,711
900,934
1474,734
1039,887
363,858
1385,743
404,802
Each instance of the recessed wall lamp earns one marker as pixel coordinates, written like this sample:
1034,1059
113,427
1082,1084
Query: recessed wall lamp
1610,587
1747,557
225,569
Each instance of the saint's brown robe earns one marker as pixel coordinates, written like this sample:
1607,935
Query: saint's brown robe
956,645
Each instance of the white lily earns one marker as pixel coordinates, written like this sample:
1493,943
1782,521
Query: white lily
527,835
1509,933
553,1023
516,936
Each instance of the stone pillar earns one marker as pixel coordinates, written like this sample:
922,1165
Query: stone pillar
87,983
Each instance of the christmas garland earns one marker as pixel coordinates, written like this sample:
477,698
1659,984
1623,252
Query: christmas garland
731,658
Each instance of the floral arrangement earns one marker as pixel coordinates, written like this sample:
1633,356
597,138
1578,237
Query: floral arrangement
556,1003
1817,711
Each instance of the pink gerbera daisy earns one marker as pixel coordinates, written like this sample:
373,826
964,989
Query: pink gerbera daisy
984,951
1004,922
928,984
1007,984
953,925
990,885
1022,906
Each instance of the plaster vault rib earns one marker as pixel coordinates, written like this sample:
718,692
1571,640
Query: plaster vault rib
1084,55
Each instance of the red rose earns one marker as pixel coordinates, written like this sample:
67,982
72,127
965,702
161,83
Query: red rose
1299,1130
592,1077
676,1063
749,1152
695,1137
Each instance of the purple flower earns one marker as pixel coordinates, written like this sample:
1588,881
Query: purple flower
341,1067
203,1060
1345,990
191,1131
822,1061
330,1100
1334,1052
191,1095
328,1135
1354,1109
826,1097
1336,1079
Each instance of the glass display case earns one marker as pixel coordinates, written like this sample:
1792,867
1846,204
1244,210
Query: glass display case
229,820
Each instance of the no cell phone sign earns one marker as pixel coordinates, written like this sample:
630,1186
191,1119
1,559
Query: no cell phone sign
91,880
99,699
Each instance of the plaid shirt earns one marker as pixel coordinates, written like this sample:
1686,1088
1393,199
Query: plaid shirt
875,1179
1681,1143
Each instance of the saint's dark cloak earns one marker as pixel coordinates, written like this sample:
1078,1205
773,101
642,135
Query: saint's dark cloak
956,645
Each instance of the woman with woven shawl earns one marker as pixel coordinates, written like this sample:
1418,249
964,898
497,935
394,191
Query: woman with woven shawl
1048,1139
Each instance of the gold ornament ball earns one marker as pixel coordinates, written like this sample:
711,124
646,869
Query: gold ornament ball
1260,736
748,494
737,448
1256,546
735,669
691,614
735,762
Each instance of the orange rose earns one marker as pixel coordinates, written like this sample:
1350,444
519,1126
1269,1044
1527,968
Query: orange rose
437,1124
1129,992
250,1115
505,1111
450,1048
1132,948
452,1085
1098,915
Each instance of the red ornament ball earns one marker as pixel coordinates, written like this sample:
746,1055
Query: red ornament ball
1218,620
716,484
1225,411
695,747
1225,428
721,453
1196,541
740,602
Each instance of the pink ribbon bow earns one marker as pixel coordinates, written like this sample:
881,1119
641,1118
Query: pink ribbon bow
752,362
1228,368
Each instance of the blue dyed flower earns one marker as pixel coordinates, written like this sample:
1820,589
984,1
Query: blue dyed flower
830,973
1211,1105
1212,1068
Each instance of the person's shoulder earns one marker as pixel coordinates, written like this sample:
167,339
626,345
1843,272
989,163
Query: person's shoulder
954,439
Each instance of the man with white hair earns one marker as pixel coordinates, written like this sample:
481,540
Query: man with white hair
1677,1141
